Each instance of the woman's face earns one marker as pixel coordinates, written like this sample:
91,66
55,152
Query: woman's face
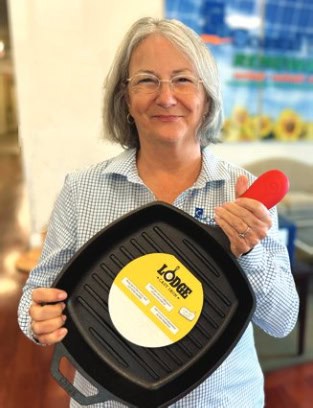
165,116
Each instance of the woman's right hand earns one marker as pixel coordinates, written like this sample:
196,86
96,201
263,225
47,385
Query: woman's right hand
47,318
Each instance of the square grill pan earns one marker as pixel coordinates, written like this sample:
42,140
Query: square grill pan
139,376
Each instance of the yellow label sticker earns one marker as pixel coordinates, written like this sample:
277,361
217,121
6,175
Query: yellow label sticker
155,300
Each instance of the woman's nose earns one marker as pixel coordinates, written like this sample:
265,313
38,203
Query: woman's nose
166,95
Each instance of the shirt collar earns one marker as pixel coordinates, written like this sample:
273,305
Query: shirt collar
213,169
125,165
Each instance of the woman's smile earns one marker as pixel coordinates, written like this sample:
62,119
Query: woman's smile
167,118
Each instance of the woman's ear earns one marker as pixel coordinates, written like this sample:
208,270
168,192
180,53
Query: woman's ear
126,96
129,105
206,108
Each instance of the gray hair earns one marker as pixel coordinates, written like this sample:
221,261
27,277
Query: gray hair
115,108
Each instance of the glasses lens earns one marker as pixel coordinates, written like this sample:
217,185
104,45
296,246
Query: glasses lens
144,83
185,84
148,83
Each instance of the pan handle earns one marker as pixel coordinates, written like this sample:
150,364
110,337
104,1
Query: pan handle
102,395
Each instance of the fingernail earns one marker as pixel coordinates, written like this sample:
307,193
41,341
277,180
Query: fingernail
62,332
62,295
64,317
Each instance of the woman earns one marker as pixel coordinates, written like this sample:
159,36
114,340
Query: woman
163,105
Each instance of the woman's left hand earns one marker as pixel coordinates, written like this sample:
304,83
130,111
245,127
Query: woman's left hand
245,221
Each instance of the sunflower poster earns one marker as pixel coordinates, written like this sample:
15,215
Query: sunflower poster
264,49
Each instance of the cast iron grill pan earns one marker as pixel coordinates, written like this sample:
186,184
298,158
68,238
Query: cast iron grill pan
140,376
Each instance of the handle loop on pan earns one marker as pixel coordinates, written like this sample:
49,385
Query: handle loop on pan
101,396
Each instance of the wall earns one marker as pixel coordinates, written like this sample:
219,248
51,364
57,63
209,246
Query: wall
62,51
244,153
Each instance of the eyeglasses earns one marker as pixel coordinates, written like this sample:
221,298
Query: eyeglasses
149,83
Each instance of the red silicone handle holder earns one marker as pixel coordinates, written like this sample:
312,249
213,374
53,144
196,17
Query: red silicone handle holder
269,188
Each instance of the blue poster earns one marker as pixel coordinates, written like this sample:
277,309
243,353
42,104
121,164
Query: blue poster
264,50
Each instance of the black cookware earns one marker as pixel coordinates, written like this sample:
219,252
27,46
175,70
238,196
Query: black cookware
157,376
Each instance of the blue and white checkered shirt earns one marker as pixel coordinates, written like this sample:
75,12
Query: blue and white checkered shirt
93,198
